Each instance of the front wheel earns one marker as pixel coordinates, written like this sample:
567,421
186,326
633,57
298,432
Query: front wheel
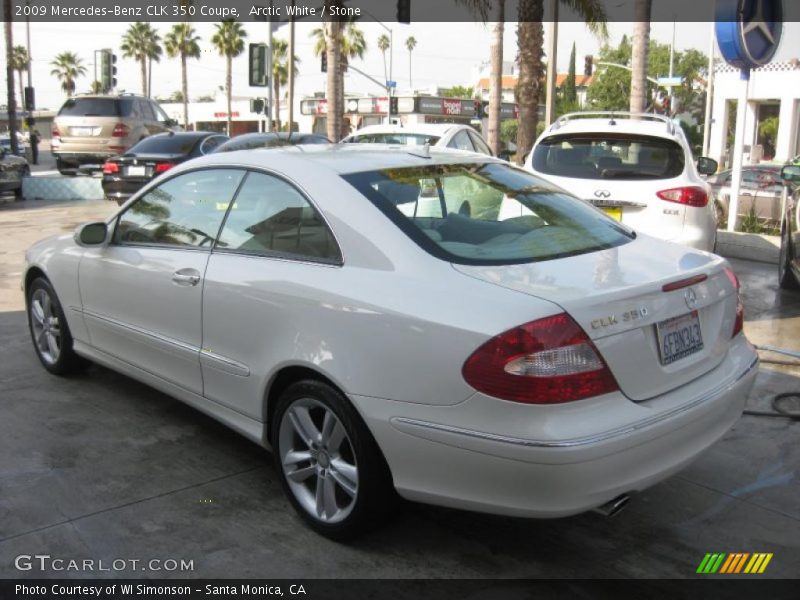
786,277
330,466
49,331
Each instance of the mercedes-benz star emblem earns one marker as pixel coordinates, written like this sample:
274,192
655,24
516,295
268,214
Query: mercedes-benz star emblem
602,194
691,298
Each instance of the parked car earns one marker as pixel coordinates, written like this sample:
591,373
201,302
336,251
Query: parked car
538,365
12,170
638,168
23,147
789,261
90,129
251,141
439,135
124,175
761,188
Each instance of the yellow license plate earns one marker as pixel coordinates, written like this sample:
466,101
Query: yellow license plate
615,212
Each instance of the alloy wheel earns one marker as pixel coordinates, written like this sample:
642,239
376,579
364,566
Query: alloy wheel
318,461
46,326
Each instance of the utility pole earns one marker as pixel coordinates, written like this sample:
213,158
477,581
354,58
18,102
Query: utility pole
291,73
270,74
552,66
12,112
709,93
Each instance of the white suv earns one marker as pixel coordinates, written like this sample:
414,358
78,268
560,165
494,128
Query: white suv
638,168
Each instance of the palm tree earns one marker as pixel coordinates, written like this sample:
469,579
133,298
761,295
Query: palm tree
182,41
341,42
641,45
229,40
67,68
141,42
496,79
530,37
383,45
19,62
411,43
280,74
96,87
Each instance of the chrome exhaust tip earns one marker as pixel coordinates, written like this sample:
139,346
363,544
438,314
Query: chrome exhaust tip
609,509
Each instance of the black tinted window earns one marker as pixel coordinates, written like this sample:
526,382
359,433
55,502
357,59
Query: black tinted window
166,144
608,156
461,141
396,138
269,216
91,107
186,210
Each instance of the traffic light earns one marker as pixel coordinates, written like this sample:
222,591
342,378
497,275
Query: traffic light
323,62
393,106
257,105
108,71
588,65
30,99
404,11
258,65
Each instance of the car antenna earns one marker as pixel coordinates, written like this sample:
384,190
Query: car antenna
612,121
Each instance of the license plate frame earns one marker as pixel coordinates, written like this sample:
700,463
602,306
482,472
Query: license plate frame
136,171
687,322
81,131
615,212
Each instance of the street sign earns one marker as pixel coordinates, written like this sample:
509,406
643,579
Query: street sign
670,81
749,31
391,84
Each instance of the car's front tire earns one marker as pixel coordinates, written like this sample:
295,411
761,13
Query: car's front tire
330,466
50,333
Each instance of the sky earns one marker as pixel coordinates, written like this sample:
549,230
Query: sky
446,54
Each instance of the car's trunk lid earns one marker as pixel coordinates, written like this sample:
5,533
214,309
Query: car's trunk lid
617,296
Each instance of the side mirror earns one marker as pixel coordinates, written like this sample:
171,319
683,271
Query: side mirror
91,234
706,166
791,174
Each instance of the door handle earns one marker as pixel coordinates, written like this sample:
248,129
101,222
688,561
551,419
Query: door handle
186,277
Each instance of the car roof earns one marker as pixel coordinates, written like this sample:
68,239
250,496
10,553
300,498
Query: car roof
184,134
616,125
415,128
341,158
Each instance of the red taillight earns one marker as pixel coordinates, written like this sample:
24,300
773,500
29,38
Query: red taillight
110,168
164,166
120,130
55,133
732,278
690,196
682,283
548,361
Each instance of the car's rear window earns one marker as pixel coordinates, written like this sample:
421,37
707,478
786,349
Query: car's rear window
608,156
97,107
165,144
487,213
399,139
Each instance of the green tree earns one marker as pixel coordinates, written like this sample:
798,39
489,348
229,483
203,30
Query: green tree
570,89
96,87
67,67
459,91
411,43
181,41
530,38
142,43
229,41
19,62
280,74
384,43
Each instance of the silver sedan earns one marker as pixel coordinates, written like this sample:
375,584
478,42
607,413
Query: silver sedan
533,357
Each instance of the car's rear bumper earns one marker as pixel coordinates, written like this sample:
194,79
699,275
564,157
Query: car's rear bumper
121,189
502,457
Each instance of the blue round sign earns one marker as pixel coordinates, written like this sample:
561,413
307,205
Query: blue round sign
749,31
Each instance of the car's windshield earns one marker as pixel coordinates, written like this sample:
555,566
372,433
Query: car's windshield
487,213
608,156
397,138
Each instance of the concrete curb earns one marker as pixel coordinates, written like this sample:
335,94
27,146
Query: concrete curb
749,246
61,188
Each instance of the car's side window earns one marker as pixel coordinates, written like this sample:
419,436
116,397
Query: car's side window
461,141
186,210
146,111
161,116
211,143
479,144
271,217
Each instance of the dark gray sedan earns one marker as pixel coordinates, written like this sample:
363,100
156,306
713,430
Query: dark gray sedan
12,170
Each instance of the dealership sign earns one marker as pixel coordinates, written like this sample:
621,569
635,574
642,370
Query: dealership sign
749,31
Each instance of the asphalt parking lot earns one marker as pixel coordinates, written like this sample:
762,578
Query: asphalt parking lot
101,467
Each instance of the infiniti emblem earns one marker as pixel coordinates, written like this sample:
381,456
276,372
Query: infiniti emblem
602,194
691,298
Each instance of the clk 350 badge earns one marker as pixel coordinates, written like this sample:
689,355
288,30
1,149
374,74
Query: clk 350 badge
628,316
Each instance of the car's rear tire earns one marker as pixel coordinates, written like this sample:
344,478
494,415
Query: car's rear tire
50,333
64,170
26,172
330,466
786,277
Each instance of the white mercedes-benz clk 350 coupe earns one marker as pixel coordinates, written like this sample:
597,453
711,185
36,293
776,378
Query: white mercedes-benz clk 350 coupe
533,357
